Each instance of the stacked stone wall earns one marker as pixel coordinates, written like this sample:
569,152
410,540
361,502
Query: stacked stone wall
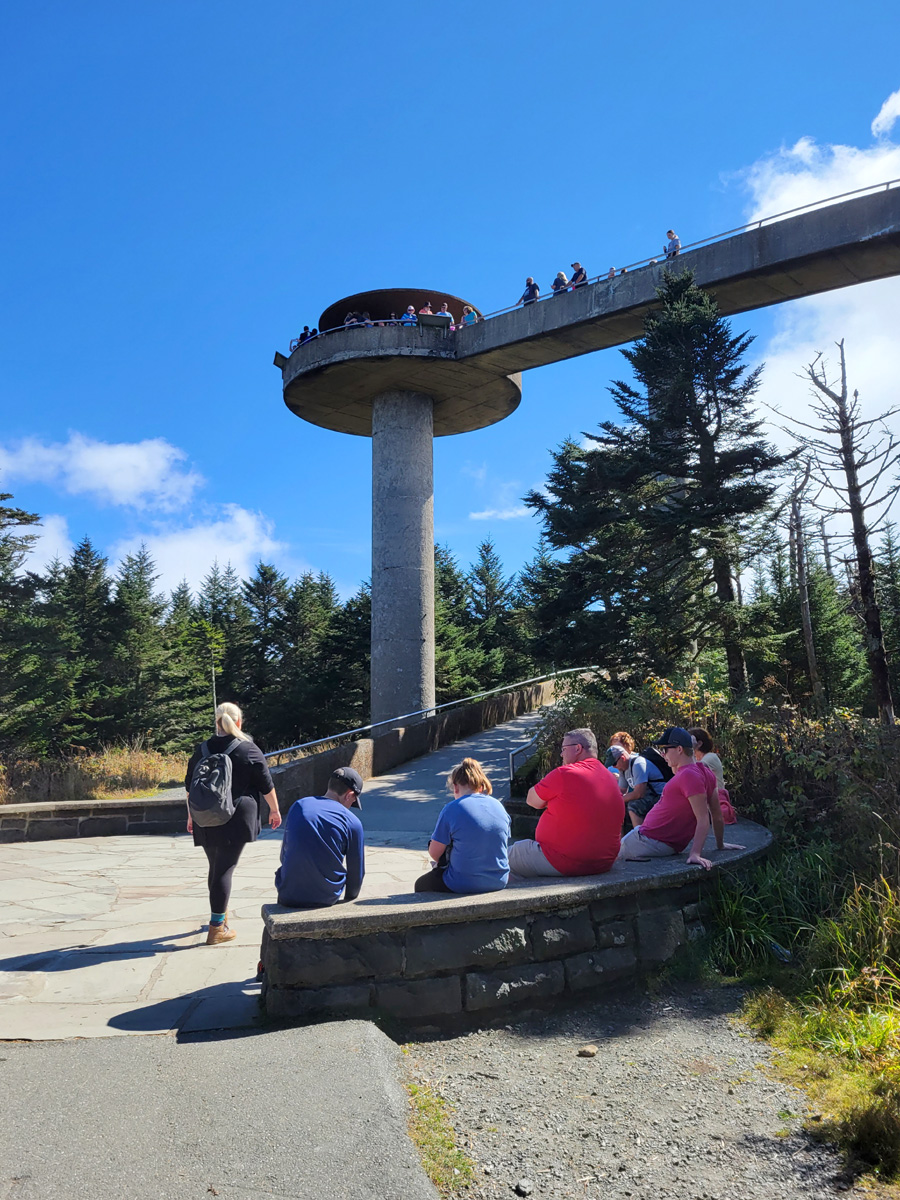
427,973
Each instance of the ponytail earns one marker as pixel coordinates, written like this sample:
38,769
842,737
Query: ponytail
227,716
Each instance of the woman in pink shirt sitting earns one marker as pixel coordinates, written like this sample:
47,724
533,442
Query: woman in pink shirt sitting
681,817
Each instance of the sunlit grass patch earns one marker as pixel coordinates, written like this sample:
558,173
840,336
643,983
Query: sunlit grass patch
432,1132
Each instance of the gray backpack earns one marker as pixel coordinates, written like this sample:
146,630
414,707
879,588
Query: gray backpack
210,800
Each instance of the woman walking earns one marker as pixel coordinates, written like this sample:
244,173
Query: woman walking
251,790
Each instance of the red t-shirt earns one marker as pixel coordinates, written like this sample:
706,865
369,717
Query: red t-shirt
671,819
581,827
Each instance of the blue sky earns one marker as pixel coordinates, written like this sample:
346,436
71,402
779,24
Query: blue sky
185,186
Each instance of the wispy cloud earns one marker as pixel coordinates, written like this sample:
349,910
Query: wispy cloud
236,535
133,474
863,315
500,514
887,115
53,542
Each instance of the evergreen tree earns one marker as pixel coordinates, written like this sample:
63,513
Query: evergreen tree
222,605
20,676
139,655
266,597
311,611
888,577
657,515
490,606
458,658
194,652
346,667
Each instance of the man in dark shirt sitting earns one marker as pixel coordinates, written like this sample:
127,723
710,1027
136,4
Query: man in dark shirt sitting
320,833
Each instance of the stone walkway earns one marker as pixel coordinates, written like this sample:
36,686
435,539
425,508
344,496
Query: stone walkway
103,936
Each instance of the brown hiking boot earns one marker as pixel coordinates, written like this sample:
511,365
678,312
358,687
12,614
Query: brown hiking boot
218,934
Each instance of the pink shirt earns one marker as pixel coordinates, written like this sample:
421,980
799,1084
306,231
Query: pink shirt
671,819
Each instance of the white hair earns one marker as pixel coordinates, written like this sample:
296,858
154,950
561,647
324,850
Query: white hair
227,717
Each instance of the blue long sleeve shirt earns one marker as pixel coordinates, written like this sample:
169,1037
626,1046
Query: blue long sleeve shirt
319,836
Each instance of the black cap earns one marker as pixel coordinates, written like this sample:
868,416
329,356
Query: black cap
352,779
675,736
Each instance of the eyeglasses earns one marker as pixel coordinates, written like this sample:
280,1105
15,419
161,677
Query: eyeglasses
571,745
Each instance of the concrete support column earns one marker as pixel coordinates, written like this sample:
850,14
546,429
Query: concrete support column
402,554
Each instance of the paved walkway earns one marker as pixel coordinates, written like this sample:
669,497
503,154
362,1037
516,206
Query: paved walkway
102,936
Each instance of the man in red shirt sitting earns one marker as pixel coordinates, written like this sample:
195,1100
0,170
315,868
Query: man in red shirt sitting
682,815
582,813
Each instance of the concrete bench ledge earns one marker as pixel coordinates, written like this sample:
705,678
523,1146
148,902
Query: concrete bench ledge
429,957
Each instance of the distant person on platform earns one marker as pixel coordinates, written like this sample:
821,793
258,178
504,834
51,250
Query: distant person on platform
673,245
581,818
579,275
469,845
532,292
681,817
560,284
322,855
409,317
444,311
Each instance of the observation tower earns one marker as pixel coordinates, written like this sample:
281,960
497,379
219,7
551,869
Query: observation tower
402,386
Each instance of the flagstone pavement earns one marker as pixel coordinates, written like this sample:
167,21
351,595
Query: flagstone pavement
105,936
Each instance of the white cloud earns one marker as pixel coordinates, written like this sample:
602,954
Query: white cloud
236,536
863,315
137,474
500,514
53,542
808,174
887,115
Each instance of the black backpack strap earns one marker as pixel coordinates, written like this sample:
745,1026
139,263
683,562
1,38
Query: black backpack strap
232,745
204,751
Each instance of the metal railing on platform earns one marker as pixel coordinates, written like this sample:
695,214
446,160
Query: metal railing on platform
427,712
613,272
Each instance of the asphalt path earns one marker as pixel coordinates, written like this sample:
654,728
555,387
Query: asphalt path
311,1114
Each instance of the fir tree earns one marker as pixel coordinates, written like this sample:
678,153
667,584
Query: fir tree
139,655
458,658
658,513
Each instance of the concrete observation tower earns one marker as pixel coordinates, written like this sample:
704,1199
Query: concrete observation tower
401,386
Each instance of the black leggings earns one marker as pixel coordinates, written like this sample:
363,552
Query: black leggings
223,859
431,881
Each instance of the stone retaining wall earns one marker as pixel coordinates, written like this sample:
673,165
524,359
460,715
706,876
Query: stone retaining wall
425,958
440,971
89,818
302,777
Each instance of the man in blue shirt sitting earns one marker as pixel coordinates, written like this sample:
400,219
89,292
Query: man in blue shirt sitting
320,833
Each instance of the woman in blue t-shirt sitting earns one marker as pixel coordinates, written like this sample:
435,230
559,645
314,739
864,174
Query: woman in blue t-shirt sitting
469,843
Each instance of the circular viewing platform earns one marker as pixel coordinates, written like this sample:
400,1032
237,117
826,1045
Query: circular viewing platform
332,380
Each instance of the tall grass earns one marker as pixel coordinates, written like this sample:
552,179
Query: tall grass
116,771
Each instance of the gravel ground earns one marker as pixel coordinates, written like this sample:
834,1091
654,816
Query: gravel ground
676,1103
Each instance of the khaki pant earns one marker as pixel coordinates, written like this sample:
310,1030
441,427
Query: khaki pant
527,860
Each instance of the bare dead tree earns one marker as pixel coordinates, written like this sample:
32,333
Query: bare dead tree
798,543
850,459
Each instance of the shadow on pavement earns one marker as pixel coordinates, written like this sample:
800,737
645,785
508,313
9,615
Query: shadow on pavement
221,1007
72,958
